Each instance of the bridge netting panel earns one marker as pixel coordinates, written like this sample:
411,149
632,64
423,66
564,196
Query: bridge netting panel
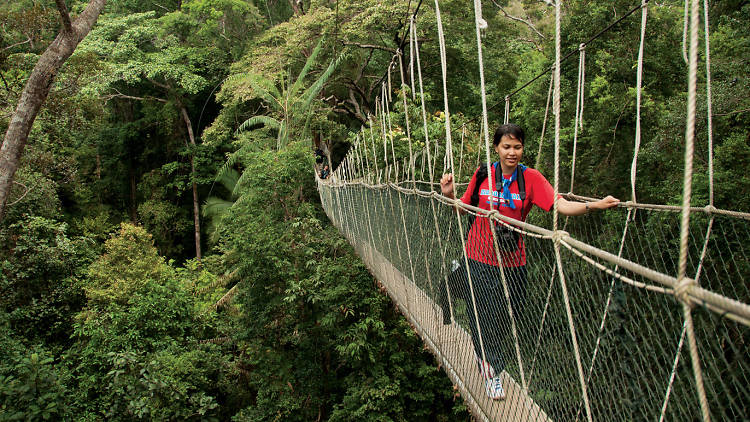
629,329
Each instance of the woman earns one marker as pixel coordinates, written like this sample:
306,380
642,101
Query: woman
513,202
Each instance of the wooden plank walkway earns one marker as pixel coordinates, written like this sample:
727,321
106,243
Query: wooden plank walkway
451,344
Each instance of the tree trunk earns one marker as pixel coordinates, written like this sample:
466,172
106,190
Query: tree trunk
133,195
37,88
297,7
196,203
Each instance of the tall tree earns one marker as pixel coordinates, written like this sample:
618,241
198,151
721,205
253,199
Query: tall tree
37,88
171,59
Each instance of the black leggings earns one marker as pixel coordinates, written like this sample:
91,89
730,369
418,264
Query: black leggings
492,309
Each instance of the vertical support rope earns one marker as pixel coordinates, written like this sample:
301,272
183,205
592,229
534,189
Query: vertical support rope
400,200
685,32
506,118
390,128
366,201
541,323
390,87
406,119
673,374
709,112
448,147
482,90
558,258
506,292
421,96
461,158
374,152
631,211
478,20
579,111
503,280
711,202
390,197
639,84
411,58
382,120
556,114
443,68
609,301
686,196
544,123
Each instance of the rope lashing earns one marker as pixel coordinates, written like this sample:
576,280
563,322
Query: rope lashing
559,235
682,290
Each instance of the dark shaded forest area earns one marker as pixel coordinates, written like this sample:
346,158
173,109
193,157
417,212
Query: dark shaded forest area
164,252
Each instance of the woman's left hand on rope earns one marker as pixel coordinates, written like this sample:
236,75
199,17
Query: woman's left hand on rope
607,202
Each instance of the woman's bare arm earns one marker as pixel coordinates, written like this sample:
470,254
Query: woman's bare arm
572,208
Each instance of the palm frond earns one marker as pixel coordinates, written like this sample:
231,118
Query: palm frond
306,68
311,92
266,90
229,179
257,120
282,139
214,206
240,183
231,161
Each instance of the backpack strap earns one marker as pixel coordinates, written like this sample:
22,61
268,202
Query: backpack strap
521,186
481,175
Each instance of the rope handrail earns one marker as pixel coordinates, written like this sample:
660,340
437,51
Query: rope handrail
699,295
708,209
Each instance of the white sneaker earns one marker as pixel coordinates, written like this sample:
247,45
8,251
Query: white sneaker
485,369
494,388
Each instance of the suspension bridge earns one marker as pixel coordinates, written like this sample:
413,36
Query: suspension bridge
636,313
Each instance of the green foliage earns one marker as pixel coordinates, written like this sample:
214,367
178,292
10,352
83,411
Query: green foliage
129,263
136,353
165,385
41,266
31,388
316,337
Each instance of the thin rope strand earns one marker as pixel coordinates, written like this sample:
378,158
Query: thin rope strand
579,113
421,96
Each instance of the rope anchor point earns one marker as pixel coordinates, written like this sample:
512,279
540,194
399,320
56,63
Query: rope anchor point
682,290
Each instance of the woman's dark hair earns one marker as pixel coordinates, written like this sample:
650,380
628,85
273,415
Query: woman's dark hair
512,130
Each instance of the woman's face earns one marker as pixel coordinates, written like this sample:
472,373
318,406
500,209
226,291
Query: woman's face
510,151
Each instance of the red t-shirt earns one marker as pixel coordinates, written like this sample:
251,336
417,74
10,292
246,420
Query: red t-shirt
479,246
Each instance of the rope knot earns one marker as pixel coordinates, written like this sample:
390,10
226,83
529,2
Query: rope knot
682,288
709,209
582,46
557,235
